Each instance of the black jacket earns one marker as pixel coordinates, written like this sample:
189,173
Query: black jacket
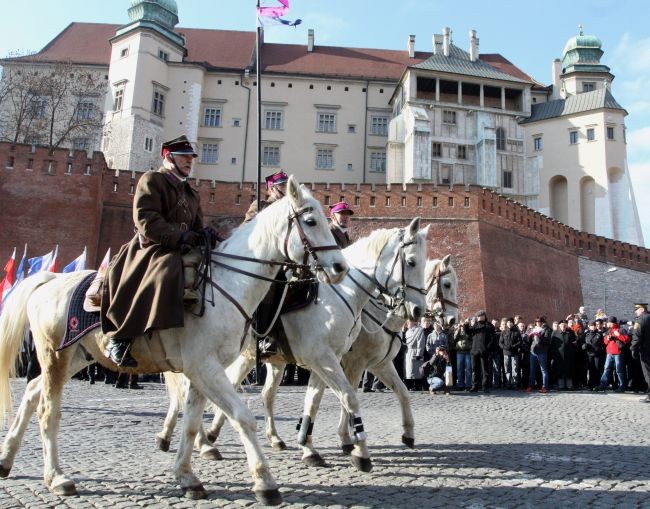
593,343
510,341
482,334
564,342
641,335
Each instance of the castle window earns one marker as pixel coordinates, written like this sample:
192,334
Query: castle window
148,144
591,134
325,159
588,86
39,107
271,155
436,149
466,201
379,125
449,117
125,52
507,179
209,153
118,99
273,120
501,138
326,123
80,144
610,132
163,55
461,152
357,201
85,110
434,202
352,128
158,103
378,161
445,174
537,143
573,137
236,122
418,201
212,117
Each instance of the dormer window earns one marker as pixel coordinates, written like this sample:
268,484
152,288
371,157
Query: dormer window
588,86
163,55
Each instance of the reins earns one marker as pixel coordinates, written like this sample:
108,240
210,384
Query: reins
439,297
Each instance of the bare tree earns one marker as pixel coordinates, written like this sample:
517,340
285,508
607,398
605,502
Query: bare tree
52,104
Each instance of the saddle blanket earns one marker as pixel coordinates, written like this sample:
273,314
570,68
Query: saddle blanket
80,322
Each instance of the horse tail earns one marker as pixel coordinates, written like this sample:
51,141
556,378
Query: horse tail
176,387
13,321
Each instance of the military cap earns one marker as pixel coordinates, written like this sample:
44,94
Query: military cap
341,208
180,145
279,177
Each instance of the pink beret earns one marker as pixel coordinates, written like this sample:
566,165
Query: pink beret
341,207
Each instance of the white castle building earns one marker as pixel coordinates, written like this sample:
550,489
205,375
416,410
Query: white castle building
355,115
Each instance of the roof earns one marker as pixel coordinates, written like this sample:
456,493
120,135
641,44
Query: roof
88,43
587,101
458,62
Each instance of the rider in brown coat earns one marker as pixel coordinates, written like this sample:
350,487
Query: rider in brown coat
340,219
145,283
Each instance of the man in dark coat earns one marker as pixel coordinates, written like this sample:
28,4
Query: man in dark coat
640,346
594,348
482,334
340,219
565,342
145,284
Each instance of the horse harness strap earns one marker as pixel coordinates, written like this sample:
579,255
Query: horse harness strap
393,335
436,280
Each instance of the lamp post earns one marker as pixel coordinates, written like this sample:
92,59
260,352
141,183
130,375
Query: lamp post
608,271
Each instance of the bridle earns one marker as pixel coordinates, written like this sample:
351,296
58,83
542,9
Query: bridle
396,299
302,268
436,280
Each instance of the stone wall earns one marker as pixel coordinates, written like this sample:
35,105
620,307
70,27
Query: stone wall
510,259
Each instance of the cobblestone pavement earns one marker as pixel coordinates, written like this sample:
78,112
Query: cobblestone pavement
505,449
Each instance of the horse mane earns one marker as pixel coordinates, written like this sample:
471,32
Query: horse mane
376,241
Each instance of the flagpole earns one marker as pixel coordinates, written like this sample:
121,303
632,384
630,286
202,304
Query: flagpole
258,42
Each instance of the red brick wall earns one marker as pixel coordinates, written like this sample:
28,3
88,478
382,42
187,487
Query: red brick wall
509,258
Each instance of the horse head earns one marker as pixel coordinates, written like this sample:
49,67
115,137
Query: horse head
399,270
442,287
311,240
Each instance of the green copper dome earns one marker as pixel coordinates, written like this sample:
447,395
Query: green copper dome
583,53
158,15
163,12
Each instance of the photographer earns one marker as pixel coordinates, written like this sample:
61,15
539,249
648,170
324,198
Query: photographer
615,341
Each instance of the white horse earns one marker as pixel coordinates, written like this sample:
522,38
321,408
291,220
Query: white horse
290,229
320,334
379,342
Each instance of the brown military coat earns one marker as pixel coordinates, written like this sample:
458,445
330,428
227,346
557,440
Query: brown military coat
252,210
144,284
342,238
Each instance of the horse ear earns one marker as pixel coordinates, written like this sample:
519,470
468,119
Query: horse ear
446,260
424,232
414,227
294,192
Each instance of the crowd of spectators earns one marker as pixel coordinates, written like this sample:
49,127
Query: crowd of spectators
478,354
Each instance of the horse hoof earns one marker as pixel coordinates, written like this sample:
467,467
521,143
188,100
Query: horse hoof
314,460
4,472
362,464
279,446
211,455
195,492
163,444
211,437
268,497
408,442
64,489
347,449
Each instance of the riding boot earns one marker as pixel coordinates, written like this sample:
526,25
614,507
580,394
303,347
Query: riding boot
120,353
191,261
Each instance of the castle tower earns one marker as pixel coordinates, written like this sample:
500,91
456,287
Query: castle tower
577,143
145,91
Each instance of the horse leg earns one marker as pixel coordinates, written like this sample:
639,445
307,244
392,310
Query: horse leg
313,396
274,374
387,373
330,372
353,368
56,370
190,484
206,449
163,439
236,372
210,379
15,434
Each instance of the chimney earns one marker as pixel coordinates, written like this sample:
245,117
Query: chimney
446,33
437,44
556,71
310,40
473,46
411,46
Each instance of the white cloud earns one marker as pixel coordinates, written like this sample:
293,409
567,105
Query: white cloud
638,143
640,177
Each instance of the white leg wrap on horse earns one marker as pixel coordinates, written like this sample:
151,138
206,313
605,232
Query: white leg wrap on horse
305,427
357,425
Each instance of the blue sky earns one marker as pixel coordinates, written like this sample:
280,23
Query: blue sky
529,34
